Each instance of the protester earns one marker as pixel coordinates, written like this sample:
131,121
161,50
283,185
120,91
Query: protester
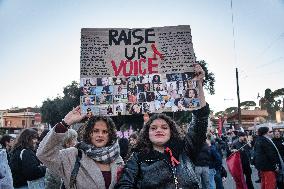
53,181
6,180
241,145
266,158
162,158
123,145
7,141
279,142
24,164
95,162
215,164
202,166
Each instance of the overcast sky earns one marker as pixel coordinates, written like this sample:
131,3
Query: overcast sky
40,42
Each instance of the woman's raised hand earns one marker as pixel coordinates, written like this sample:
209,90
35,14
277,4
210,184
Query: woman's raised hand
74,116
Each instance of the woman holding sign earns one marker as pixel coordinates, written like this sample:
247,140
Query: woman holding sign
162,158
94,163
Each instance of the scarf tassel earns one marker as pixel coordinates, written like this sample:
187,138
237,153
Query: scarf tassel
174,161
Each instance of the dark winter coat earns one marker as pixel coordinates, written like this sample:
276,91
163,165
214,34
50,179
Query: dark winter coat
27,169
266,157
203,158
279,143
245,155
154,170
215,158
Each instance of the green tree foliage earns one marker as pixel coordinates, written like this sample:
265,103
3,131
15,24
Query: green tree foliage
209,80
54,110
220,113
231,110
247,104
269,102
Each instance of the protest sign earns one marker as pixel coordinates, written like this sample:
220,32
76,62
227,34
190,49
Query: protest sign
135,71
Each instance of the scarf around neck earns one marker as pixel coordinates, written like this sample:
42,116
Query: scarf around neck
104,155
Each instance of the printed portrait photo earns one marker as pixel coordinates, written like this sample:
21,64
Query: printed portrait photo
142,97
191,84
158,87
90,110
140,88
119,89
119,109
146,107
119,81
145,79
156,78
85,91
191,93
88,82
150,96
120,98
133,79
132,98
187,76
174,77
104,81
136,108
88,100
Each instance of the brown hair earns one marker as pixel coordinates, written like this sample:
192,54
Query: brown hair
24,140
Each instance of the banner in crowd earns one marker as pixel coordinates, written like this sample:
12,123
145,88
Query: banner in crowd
134,71
234,165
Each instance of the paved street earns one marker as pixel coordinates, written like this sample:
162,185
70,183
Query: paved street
230,183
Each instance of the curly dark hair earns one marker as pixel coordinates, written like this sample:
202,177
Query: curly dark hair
24,140
144,144
90,125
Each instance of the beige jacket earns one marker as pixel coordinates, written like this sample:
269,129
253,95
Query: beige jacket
61,162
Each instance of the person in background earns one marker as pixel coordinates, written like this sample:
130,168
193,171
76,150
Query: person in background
53,181
7,141
95,162
266,158
279,142
6,180
241,145
24,164
214,165
202,166
133,138
123,145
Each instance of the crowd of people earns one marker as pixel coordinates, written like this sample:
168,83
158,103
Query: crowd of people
159,156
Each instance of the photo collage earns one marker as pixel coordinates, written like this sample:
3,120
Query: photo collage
153,93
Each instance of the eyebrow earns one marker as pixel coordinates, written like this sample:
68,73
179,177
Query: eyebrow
161,125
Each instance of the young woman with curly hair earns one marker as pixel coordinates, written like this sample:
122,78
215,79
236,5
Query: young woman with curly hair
93,163
162,158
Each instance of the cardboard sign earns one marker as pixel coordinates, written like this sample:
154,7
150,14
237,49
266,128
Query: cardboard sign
135,71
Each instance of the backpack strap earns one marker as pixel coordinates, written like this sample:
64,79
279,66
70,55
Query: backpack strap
75,169
21,154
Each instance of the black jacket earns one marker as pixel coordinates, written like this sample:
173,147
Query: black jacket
266,157
203,158
279,143
245,155
153,170
27,169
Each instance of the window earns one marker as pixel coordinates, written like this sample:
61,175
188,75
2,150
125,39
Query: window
23,123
